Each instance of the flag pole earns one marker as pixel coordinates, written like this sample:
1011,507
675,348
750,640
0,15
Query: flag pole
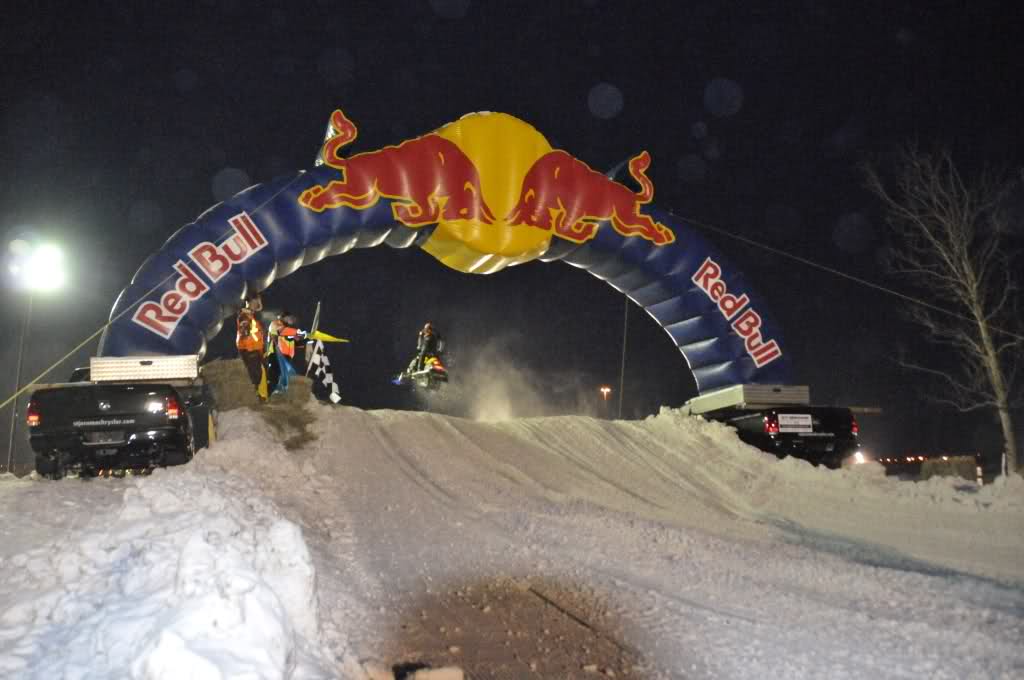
312,329
316,319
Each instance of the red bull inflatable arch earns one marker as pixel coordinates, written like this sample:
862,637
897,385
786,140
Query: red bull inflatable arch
479,194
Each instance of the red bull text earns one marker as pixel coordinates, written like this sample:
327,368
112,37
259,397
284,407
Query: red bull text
745,321
428,179
564,195
211,259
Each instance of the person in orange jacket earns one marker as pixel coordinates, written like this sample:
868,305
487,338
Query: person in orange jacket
284,333
249,340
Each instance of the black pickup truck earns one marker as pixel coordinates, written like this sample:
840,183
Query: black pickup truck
823,435
112,426
780,419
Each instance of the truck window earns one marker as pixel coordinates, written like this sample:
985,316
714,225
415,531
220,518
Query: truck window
79,375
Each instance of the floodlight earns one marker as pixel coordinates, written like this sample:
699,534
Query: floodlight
42,268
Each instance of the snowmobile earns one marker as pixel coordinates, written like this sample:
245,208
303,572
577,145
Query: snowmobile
430,376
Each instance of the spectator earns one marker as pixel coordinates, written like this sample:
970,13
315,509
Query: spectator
249,339
284,333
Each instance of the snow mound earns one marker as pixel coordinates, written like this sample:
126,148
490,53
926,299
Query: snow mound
193,576
679,471
312,540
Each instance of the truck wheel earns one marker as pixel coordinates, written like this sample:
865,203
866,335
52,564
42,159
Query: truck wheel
180,456
48,468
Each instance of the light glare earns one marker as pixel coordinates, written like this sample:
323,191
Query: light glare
40,269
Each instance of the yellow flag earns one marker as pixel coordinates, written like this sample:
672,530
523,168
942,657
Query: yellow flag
263,390
320,335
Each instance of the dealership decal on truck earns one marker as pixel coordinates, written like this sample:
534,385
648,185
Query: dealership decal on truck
103,421
213,260
745,320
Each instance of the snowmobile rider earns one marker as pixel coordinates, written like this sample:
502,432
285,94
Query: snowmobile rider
428,344
249,340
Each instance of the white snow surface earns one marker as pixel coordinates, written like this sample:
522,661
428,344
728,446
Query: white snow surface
561,547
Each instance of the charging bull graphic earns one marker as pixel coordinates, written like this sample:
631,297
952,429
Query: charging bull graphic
563,194
428,179
479,194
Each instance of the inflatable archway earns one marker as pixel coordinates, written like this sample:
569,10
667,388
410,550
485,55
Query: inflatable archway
479,194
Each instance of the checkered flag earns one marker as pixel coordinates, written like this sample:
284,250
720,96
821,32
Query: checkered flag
324,387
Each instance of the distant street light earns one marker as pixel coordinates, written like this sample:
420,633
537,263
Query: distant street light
35,267
605,391
622,365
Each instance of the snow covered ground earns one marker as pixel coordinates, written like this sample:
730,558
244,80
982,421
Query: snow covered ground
330,542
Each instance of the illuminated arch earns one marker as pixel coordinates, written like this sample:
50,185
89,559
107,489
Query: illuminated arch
479,194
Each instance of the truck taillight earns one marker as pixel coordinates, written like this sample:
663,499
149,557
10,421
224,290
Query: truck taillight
172,410
854,428
771,424
32,416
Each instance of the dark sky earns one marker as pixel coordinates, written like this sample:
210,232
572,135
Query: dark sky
122,122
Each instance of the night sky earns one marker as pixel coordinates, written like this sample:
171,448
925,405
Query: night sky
122,122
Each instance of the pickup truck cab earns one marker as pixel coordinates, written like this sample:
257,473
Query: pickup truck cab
133,413
79,375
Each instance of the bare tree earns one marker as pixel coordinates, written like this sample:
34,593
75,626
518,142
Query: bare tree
950,241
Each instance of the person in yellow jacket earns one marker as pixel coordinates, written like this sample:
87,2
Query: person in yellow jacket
249,339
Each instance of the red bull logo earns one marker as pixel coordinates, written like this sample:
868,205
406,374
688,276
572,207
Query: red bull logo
746,322
216,261
428,179
440,178
563,194
213,260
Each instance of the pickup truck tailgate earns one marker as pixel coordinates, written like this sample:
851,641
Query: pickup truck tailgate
104,407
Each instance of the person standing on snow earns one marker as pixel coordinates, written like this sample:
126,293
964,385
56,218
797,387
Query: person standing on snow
272,364
249,339
284,332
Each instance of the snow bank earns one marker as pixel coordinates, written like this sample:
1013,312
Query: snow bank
696,549
194,576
